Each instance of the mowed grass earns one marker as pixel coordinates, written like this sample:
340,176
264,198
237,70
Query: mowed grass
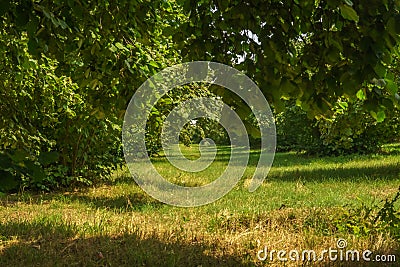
299,206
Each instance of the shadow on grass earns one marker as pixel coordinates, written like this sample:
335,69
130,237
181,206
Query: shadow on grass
299,168
119,203
131,202
42,244
292,167
385,172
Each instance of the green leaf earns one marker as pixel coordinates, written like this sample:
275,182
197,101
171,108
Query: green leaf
35,171
223,5
393,26
22,16
100,115
252,130
46,158
287,87
333,55
153,64
361,95
391,87
5,162
32,26
343,105
348,131
5,7
380,70
120,46
19,156
349,86
380,116
8,181
63,24
349,13
243,111
33,46
348,2
113,49
128,65
373,114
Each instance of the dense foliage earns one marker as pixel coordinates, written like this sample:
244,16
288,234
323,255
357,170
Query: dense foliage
52,134
70,67
68,73
313,51
351,129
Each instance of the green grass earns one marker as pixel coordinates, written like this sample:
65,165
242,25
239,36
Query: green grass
301,205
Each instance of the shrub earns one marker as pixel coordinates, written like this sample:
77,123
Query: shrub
51,133
349,130
296,132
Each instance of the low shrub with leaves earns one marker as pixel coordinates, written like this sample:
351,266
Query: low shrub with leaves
366,220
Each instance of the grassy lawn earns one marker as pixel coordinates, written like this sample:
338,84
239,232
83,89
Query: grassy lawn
305,203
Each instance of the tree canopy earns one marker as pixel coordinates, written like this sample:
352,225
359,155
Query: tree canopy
311,51
315,51
74,65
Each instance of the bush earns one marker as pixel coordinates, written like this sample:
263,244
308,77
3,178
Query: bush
51,133
353,130
296,132
349,130
364,220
